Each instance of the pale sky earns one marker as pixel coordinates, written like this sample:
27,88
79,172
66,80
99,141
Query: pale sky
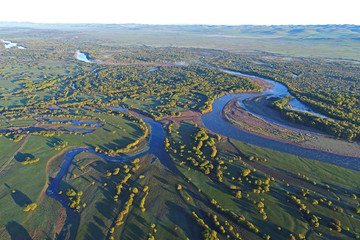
226,12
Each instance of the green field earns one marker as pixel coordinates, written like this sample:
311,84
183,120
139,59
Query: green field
191,184
284,168
24,184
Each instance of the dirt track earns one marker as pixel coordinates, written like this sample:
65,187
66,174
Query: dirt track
14,154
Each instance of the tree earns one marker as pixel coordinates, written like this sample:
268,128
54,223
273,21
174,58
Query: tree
238,194
30,207
246,172
209,234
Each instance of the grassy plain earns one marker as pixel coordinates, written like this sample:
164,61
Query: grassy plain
291,174
35,80
24,184
164,207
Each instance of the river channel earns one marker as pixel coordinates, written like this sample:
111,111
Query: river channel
9,44
154,147
214,122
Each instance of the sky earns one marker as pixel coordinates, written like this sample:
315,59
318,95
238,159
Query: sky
220,12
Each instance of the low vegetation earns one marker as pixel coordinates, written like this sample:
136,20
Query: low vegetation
60,116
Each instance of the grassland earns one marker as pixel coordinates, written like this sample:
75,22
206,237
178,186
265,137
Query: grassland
211,187
336,41
24,184
164,206
169,210
290,173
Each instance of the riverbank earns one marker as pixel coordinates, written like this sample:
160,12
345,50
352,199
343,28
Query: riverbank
214,123
241,119
192,116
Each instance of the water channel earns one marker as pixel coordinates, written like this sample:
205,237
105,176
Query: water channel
214,122
278,90
154,147
9,44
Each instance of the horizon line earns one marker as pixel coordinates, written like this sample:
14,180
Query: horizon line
172,24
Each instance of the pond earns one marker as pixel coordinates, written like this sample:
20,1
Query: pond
82,57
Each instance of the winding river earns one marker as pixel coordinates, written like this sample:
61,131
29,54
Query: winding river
278,90
154,147
214,122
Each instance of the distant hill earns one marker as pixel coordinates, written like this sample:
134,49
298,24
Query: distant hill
335,41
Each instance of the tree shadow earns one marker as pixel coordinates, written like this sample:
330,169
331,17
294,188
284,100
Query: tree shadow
52,141
106,208
20,157
136,232
106,129
94,232
161,179
17,232
99,221
218,187
171,231
91,146
139,218
181,218
195,195
168,190
118,143
99,166
64,186
20,198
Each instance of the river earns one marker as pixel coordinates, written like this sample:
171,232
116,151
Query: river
278,90
214,122
154,146
9,44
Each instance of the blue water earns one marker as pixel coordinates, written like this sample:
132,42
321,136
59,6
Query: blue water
156,139
154,146
214,122
279,90
82,57
9,44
